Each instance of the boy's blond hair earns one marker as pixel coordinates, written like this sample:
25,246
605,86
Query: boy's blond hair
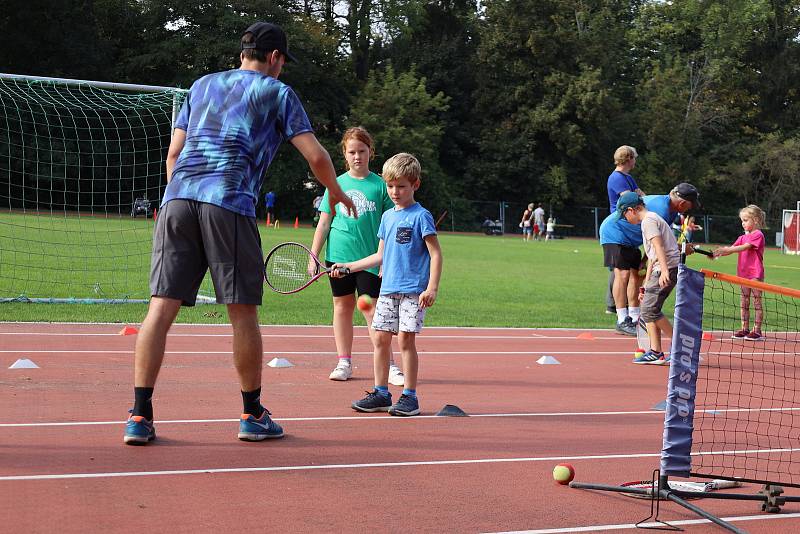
402,165
755,213
624,154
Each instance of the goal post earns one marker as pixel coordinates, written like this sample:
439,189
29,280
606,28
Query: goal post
78,159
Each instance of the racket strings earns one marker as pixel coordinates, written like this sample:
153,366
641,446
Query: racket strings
286,269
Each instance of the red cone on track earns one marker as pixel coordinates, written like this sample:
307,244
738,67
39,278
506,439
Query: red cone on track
707,336
128,331
586,335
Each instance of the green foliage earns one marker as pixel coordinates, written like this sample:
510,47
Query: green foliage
403,117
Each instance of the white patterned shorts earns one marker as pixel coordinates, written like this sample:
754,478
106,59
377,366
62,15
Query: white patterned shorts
398,313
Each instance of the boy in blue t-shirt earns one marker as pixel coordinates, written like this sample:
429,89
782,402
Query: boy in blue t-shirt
412,267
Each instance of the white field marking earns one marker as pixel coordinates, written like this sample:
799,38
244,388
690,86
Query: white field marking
532,353
325,353
628,526
623,456
309,336
427,328
393,419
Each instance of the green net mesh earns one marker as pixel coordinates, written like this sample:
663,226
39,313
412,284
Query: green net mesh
82,170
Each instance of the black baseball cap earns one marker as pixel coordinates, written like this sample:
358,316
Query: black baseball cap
268,37
689,193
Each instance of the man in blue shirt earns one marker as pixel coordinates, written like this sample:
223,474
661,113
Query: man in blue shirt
620,181
228,130
269,203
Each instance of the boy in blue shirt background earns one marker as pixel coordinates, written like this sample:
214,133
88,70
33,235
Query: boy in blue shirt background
412,267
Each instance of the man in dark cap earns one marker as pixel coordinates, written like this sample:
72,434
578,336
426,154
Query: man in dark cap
227,133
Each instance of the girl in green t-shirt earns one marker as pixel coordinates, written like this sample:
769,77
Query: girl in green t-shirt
351,239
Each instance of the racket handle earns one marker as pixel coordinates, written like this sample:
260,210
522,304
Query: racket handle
342,270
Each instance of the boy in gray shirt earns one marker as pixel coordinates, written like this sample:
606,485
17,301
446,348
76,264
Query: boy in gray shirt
663,255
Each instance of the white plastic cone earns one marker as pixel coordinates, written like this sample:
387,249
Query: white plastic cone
547,360
280,362
23,363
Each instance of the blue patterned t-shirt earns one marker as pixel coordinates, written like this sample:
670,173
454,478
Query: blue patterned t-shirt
235,121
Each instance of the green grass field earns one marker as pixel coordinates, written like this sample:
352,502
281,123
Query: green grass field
487,281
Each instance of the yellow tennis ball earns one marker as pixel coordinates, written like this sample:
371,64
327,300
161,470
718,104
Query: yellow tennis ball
563,474
364,303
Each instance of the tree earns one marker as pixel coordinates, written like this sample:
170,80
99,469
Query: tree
403,116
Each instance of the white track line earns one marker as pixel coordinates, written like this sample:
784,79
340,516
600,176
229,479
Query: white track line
619,456
325,353
628,526
309,336
395,419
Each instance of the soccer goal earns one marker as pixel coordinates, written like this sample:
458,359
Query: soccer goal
82,167
791,230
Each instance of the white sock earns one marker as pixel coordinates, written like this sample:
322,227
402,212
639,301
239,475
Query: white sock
344,361
634,312
622,314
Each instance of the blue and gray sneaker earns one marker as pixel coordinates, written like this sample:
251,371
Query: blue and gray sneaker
406,405
652,358
139,431
252,429
373,402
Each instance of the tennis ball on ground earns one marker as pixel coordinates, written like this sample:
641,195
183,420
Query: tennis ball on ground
563,474
364,303
575,251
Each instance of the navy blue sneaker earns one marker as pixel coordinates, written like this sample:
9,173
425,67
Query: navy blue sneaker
373,402
139,431
651,358
252,429
406,405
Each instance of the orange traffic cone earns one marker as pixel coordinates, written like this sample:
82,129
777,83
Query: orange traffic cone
155,214
297,222
128,331
268,221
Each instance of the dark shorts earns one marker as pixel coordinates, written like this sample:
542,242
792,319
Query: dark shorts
194,237
655,295
621,257
364,281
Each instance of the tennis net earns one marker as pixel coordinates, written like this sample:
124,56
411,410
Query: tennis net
733,407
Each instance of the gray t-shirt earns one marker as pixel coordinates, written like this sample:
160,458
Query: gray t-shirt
653,225
538,217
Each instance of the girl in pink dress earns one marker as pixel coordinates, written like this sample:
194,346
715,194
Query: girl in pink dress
750,247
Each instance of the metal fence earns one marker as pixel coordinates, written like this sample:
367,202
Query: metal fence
502,217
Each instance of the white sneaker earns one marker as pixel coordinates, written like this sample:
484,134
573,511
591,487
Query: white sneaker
343,371
396,377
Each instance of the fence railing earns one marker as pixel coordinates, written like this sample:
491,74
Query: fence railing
502,217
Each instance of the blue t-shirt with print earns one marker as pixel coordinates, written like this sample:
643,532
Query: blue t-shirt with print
616,184
406,260
235,121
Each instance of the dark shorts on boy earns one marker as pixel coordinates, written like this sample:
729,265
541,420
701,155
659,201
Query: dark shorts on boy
621,257
365,282
655,295
194,237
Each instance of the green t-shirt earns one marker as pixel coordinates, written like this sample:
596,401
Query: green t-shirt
352,239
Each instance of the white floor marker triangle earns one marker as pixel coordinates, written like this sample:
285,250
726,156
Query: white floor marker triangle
23,363
547,360
280,362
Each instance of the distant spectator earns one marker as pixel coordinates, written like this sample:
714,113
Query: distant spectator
551,229
269,203
538,222
525,223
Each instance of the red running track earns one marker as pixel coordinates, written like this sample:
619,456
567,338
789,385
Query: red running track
63,466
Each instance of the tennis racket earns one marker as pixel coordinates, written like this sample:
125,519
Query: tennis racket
686,488
291,267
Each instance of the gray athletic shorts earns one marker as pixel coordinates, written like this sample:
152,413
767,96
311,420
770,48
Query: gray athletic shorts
655,295
398,312
192,237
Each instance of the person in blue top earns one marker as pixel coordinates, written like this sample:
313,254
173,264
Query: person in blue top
412,267
228,130
621,241
620,181
269,204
